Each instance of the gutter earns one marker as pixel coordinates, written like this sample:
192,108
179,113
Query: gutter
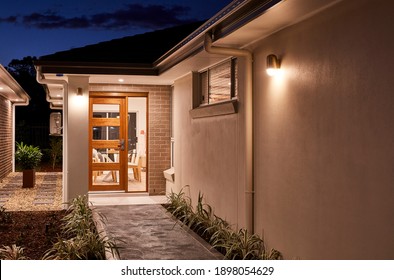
13,85
23,99
14,104
49,99
249,186
44,81
230,18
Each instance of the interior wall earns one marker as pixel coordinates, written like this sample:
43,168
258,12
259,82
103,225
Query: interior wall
324,140
138,104
208,156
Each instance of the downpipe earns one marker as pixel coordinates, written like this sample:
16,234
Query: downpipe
249,188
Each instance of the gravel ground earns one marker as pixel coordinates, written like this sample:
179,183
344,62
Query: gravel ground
15,198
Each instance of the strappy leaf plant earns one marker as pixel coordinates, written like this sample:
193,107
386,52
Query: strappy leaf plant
12,252
272,255
243,246
5,216
81,239
180,206
239,245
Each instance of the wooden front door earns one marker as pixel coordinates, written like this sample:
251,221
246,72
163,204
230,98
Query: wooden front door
107,144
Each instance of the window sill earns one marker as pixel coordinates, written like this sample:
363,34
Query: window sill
217,109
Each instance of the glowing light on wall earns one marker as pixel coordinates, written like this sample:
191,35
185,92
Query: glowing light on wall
273,65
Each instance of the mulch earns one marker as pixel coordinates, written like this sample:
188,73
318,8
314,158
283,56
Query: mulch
34,231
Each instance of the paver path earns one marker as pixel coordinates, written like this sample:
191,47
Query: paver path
151,233
45,195
46,191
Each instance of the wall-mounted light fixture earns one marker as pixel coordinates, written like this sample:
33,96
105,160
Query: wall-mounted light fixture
273,65
79,91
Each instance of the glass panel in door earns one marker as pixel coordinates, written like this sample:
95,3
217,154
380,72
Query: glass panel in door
108,150
137,144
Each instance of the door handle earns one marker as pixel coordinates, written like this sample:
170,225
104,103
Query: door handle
121,145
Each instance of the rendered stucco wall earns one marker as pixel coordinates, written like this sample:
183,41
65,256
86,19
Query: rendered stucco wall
209,155
324,137
5,137
77,138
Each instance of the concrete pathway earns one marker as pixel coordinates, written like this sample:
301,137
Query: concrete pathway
149,232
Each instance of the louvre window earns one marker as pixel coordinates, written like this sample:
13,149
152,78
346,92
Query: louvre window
219,83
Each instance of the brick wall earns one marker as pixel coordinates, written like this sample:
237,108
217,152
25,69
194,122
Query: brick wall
159,139
5,137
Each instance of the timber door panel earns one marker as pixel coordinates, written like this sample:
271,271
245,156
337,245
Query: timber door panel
107,143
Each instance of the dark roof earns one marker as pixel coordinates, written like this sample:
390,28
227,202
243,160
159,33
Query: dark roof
154,52
141,49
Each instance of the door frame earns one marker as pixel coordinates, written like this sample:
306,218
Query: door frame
123,172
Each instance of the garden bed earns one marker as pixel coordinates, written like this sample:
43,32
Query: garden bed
235,245
35,231
57,235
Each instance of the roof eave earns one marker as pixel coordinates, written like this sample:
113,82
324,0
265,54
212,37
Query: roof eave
96,68
15,87
229,19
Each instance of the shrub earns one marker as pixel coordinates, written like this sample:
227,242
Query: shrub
27,156
56,147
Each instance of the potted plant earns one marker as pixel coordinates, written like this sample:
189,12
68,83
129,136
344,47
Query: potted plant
28,157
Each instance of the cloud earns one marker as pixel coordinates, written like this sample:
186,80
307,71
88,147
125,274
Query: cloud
11,19
51,21
132,16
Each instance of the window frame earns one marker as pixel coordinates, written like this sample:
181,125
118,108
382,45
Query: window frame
233,93
222,107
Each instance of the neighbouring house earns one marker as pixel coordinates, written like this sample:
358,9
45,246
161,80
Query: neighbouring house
11,95
303,158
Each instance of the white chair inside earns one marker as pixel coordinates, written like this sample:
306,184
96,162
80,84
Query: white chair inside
135,165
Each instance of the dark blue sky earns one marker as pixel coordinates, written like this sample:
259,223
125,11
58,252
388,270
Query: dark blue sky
35,28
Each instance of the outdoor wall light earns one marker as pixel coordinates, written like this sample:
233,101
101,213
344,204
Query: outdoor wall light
79,91
273,65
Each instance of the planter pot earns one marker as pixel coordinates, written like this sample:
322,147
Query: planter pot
29,178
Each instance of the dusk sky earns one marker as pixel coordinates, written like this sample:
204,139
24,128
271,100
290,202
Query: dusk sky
36,28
